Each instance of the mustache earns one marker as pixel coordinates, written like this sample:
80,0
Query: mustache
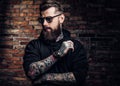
45,28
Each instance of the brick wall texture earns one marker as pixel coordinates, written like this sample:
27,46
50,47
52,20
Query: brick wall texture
95,23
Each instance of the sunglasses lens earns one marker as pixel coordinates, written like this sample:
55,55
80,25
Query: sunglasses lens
41,20
49,19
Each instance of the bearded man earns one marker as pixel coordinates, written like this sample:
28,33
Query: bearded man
54,59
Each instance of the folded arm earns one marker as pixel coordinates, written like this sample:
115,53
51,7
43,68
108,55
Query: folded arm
58,78
39,67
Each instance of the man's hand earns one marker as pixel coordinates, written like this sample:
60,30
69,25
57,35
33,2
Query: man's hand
64,49
66,46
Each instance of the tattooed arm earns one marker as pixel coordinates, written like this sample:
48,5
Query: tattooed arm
58,78
40,67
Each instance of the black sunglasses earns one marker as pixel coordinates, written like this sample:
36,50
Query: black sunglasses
48,19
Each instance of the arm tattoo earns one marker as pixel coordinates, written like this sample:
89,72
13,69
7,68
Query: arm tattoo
61,77
40,67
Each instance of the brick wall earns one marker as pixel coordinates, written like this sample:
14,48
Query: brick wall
93,22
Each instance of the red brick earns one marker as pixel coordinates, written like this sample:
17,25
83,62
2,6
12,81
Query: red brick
6,39
19,78
14,67
33,22
5,55
33,6
15,10
9,43
28,18
16,6
67,14
22,23
33,15
12,59
21,39
12,31
24,43
27,2
19,6
29,31
25,10
14,14
37,2
10,51
18,55
73,35
23,14
19,47
38,27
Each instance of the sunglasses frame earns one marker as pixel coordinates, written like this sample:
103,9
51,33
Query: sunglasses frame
49,19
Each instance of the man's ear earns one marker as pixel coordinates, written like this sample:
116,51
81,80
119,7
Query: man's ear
62,18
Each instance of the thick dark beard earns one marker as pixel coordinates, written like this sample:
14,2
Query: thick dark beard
52,35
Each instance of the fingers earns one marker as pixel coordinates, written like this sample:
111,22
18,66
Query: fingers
69,44
66,47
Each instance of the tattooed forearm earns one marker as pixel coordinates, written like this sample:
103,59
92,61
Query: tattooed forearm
63,77
40,67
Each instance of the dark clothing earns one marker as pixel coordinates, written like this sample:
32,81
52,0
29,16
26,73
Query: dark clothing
75,62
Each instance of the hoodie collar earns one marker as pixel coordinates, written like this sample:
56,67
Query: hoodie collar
60,37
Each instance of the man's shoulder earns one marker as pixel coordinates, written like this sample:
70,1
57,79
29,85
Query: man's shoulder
77,43
33,41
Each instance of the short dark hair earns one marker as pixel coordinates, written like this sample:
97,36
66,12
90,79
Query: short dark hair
51,3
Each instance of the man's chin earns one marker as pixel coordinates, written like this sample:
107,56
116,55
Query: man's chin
50,40
48,37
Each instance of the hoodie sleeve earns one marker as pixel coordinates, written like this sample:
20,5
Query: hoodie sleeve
31,55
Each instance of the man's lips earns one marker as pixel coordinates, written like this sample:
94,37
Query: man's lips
47,28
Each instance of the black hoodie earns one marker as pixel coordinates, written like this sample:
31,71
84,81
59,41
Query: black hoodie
75,62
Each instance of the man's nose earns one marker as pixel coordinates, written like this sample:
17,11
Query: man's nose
45,23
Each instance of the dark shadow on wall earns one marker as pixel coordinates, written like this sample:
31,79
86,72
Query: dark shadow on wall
4,7
3,17
77,7
103,16
113,22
